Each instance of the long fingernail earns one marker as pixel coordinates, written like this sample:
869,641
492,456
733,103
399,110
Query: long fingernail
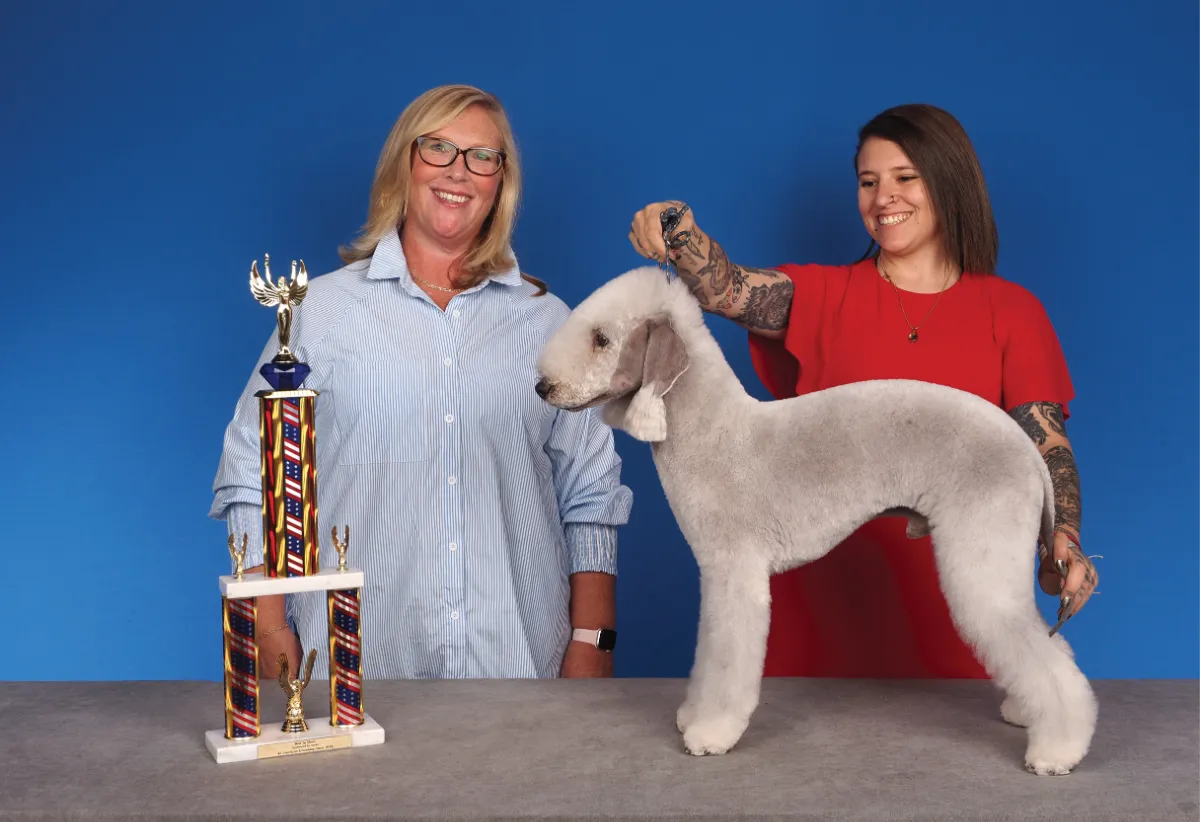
1064,604
1061,565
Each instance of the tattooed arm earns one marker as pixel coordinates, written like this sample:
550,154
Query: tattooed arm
759,299
1044,423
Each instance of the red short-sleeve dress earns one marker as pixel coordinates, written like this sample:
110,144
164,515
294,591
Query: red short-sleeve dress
872,607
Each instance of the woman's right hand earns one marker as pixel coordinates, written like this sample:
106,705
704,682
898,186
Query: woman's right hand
646,233
270,647
719,285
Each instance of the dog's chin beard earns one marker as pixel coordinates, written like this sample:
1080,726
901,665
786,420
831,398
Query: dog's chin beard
607,396
601,399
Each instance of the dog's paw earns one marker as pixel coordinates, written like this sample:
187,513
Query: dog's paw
1057,758
1012,713
713,735
685,716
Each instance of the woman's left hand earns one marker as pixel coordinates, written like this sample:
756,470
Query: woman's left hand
1076,587
583,661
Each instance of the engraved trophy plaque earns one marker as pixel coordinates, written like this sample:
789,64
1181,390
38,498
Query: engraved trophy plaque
291,550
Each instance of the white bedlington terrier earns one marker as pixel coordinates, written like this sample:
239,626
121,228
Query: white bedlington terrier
957,466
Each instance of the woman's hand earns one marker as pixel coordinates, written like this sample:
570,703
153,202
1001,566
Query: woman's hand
646,232
583,661
1068,574
758,299
1064,571
271,646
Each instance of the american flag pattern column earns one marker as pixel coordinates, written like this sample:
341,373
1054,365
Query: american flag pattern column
241,668
345,658
289,481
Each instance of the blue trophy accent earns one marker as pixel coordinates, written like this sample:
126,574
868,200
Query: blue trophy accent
285,376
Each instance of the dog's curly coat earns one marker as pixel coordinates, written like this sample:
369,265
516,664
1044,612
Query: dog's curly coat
957,466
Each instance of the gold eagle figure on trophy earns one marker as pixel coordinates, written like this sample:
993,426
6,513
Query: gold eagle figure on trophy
239,557
285,294
294,688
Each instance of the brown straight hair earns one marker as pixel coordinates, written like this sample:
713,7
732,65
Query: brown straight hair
938,146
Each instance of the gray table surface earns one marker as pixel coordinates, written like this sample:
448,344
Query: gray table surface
596,749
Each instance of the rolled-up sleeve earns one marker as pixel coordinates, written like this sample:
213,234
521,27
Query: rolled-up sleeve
592,501
237,488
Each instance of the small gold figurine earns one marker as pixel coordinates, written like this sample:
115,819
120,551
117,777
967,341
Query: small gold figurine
294,688
239,557
284,294
341,547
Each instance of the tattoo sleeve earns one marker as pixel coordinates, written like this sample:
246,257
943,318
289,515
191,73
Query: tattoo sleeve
1044,424
757,298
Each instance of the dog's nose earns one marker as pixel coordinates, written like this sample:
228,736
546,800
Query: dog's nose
542,388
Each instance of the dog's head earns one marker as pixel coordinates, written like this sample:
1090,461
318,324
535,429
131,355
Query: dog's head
617,349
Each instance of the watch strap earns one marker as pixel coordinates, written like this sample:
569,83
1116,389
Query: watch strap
603,638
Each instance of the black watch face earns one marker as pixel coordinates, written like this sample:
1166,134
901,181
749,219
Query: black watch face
607,640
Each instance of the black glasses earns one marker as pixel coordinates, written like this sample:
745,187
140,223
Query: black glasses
479,160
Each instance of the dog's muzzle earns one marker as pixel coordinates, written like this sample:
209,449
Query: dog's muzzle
543,388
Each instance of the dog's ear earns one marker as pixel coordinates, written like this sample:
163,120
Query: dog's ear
666,358
664,362
632,363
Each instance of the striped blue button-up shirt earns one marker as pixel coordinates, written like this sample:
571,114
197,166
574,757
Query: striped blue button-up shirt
470,501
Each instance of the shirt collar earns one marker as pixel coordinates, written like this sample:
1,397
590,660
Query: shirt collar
389,263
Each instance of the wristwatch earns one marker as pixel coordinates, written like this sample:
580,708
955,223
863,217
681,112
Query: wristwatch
603,638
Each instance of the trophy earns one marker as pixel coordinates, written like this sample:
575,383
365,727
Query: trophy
294,688
291,552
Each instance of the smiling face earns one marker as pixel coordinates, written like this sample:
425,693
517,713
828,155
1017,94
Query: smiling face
448,204
893,200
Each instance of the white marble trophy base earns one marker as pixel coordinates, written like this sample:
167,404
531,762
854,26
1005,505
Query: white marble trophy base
273,742
259,584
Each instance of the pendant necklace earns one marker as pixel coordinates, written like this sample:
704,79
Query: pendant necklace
912,329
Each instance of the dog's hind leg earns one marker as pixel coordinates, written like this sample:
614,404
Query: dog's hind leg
987,578
723,691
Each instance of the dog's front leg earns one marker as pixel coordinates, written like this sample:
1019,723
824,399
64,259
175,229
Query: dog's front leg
735,609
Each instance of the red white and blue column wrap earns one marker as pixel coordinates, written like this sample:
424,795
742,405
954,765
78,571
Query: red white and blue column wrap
241,668
345,658
289,478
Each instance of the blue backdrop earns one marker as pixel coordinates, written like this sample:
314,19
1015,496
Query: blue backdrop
151,150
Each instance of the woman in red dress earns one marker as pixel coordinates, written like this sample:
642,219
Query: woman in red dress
924,303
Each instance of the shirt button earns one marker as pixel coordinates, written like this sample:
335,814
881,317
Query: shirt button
447,361
449,418
454,614
457,312
452,480
454,546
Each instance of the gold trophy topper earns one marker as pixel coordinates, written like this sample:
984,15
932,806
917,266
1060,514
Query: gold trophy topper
294,688
341,547
239,557
286,295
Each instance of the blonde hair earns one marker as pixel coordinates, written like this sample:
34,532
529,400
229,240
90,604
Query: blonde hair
490,252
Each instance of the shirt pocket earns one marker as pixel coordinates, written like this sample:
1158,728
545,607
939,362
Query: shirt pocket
384,414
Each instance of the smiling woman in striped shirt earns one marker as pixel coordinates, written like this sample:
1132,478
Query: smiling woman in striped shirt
484,519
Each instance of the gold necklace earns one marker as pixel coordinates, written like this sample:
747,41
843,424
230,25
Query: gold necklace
438,287
912,330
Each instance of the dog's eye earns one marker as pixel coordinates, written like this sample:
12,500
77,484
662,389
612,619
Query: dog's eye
601,340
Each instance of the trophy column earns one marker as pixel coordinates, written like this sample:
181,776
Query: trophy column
345,647
291,565
345,659
289,481
241,668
